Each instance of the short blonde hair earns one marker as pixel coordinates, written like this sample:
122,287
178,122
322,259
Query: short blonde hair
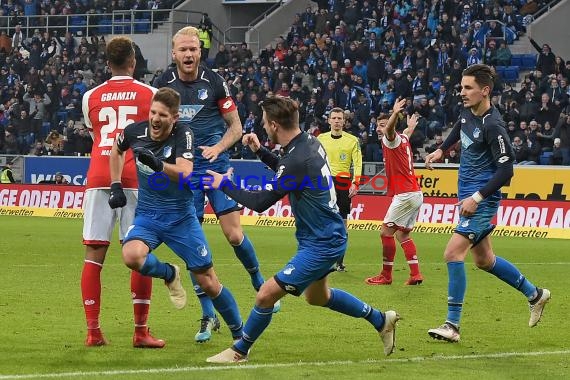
186,31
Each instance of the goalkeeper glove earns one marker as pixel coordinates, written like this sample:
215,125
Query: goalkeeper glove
117,197
149,159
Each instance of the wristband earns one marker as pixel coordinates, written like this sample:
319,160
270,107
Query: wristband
477,197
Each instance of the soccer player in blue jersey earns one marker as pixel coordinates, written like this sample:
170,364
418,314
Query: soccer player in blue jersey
208,108
303,173
486,165
165,210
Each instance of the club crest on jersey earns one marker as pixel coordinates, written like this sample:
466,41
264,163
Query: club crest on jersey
476,133
188,111
343,156
202,94
167,151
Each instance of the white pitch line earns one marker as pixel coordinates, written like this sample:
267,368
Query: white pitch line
498,355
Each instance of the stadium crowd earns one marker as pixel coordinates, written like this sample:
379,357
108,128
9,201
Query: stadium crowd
360,55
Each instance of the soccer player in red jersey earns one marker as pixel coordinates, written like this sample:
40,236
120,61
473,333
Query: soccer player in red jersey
407,197
107,110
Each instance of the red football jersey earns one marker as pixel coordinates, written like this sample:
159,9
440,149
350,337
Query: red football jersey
108,109
399,164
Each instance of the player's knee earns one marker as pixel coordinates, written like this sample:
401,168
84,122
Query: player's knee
315,300
132,260
234,236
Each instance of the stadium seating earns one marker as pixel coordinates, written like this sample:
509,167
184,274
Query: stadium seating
545,158
528,61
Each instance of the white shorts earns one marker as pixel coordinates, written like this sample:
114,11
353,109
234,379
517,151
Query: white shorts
404,210
99,219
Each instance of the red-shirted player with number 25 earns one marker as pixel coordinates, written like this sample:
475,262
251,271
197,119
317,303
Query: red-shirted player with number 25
407,197
107,110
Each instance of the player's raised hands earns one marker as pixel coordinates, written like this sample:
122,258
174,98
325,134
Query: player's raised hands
412,120
399,105
252,141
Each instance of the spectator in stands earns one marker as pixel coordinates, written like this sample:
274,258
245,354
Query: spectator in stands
546,61
547,110
205,36
38,149
38,110
452,157
545,137
557,156
503,56
521,150
529,108
562,131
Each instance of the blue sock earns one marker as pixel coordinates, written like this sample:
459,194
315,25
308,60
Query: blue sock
258,320
512,276
455,291
246,254
348,304
155,268
205,301
227,307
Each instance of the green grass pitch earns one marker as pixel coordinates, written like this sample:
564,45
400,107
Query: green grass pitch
42,326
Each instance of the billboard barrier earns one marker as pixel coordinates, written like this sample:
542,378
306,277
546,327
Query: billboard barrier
518,218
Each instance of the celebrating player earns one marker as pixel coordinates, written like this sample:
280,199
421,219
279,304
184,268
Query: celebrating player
407,197
321,234
343,152
165,211
207,107
486,164
107,109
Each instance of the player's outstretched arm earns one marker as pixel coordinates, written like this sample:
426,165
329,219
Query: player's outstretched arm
411,124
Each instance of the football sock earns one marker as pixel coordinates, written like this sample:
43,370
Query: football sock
257,322
388,254
205,301
91,292
226,306
512,276
345,303
155,268
455,291
246,255
141,290
411,256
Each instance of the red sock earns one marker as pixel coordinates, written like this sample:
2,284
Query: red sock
91,292
141,290
388,254
410,251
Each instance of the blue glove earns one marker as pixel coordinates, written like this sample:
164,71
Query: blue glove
117,198
149,159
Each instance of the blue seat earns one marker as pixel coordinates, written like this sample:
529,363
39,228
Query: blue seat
528,61
122,27
516,60
545,158
105,26
142,25
511,74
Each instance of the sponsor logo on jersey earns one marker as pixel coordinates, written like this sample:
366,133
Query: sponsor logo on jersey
227,104
465,140
188,140
188,111
167,151
476,132
188,155
202,94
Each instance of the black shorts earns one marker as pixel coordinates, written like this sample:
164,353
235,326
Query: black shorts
342,199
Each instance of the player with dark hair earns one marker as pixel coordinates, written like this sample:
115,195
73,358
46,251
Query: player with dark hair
407,197
486,165
165,210
208,108
343,152
301,172
107,109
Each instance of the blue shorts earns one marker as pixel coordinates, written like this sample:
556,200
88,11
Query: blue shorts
184,236
478,225
221,203
307,267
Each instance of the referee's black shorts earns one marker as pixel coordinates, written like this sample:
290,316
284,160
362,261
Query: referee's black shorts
342,199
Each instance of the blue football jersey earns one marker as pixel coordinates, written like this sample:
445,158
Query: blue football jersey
200,110
157,193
